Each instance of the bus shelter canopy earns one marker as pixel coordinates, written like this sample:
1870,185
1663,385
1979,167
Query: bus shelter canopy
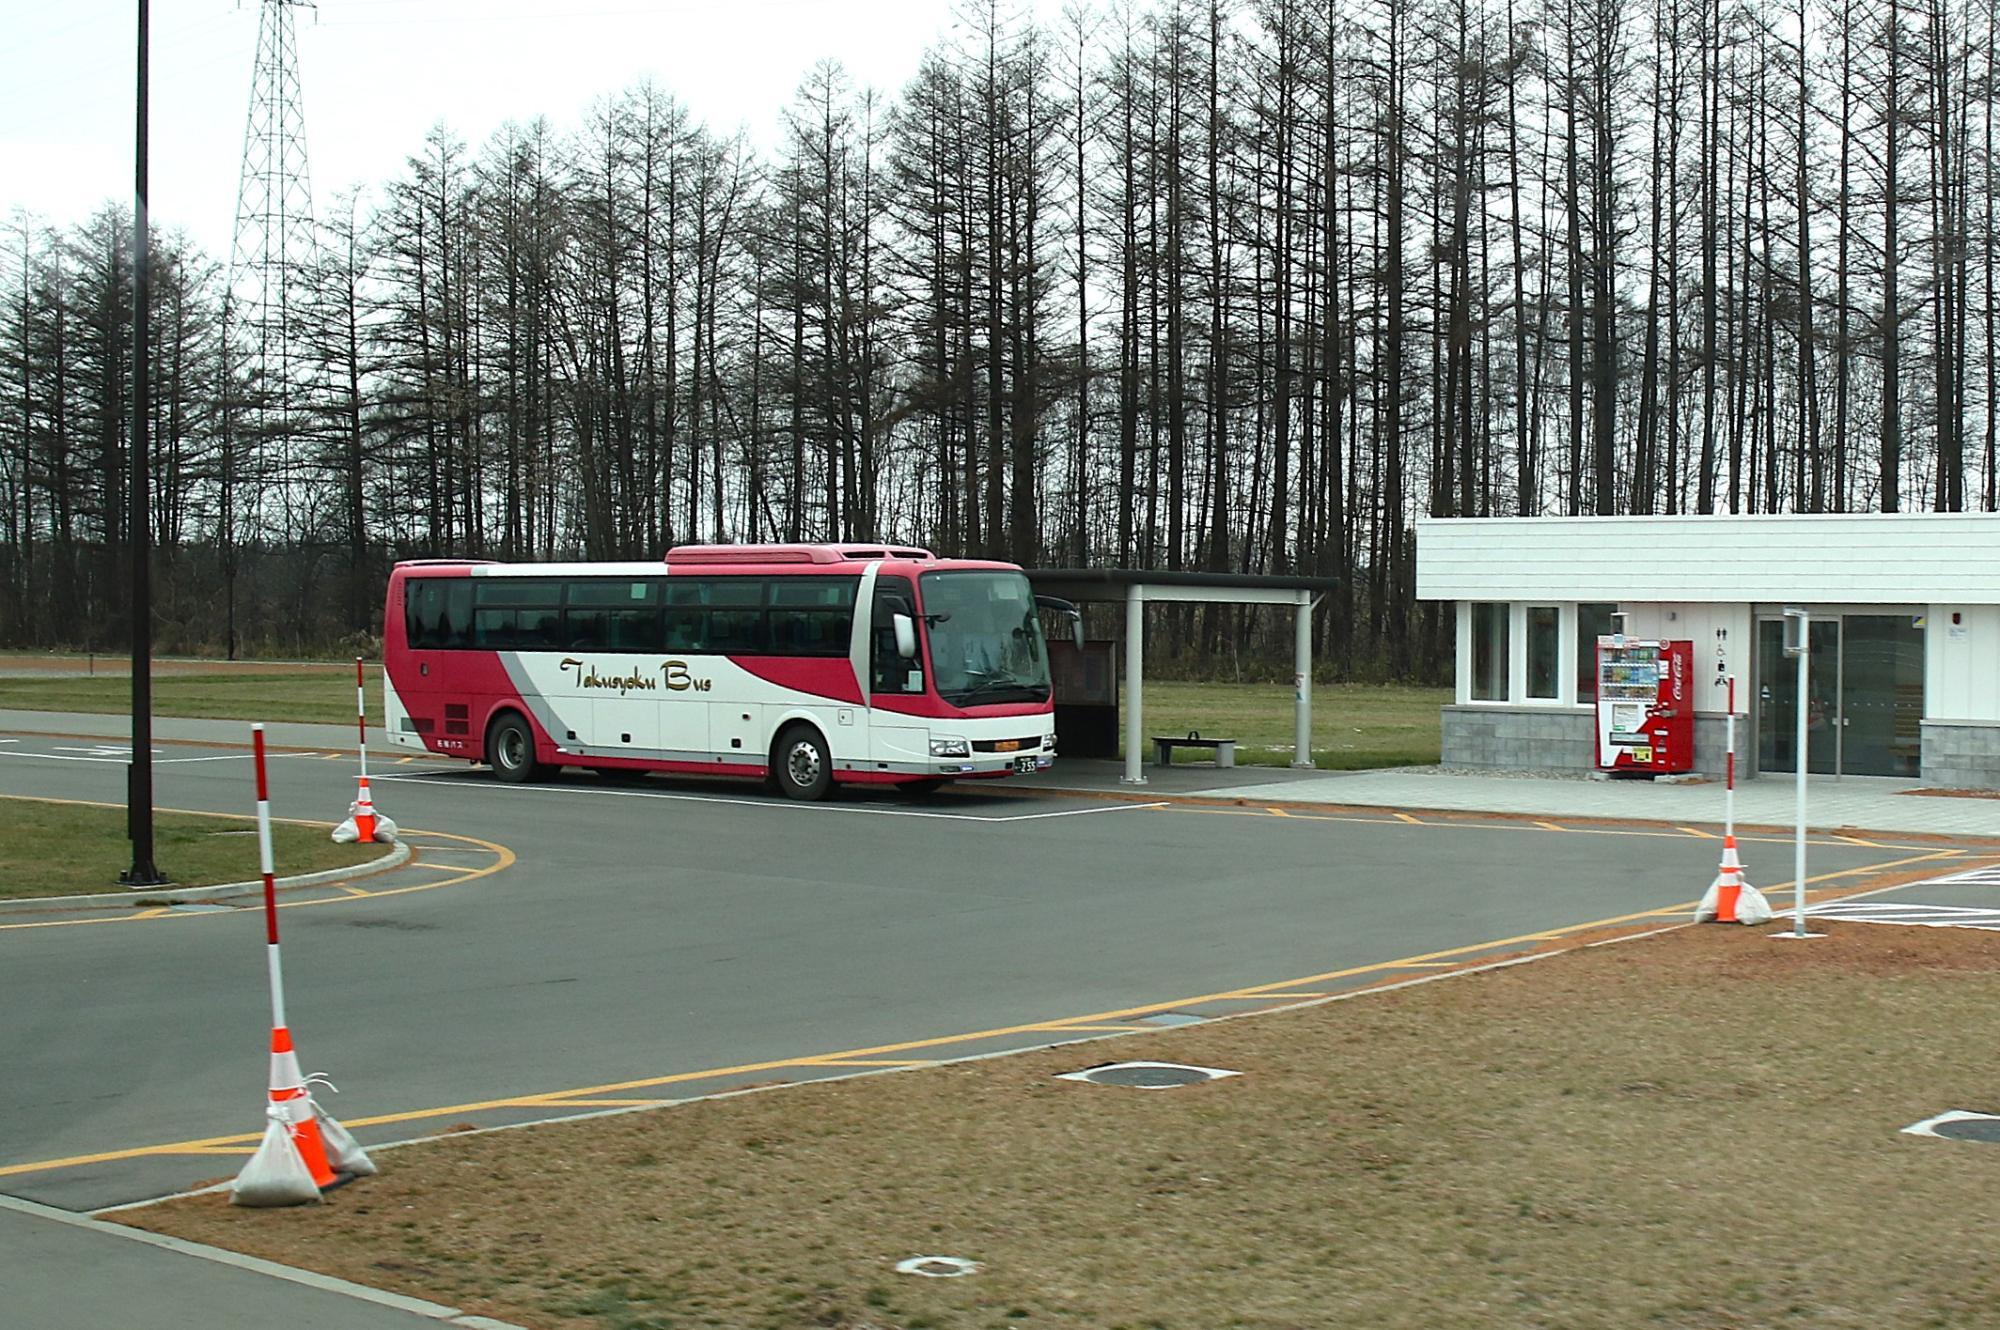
1136,587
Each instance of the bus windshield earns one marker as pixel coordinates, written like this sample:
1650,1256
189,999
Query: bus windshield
986,638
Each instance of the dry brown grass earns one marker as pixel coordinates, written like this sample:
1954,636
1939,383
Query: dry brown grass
1695,1130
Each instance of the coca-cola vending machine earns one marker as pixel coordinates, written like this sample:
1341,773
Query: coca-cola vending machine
1645,705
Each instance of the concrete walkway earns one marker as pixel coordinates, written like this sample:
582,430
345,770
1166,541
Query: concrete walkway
1869,803
59,1270
1856,803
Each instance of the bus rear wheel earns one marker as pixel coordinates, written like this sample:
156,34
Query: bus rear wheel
510,748
804,769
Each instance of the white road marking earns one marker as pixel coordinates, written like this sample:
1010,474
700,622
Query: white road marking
159,762
761,803
1887,912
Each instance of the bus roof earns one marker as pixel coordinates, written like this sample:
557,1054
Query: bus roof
724,559
740,554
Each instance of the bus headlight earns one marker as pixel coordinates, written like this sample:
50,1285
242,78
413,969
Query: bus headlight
950,748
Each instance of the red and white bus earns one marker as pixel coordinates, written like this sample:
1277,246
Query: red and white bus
805,665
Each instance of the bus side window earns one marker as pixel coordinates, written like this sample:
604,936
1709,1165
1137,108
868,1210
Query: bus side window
889,672
685,616
437,612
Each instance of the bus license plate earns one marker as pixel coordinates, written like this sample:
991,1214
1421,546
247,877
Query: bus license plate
1024,766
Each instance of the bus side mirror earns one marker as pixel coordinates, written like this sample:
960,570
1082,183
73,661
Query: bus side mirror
1068,610
906,636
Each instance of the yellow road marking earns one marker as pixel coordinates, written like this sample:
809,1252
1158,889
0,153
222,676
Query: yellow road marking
1550,826
1281,997
1060,1027
404,761
1276,991
1413,821
857,1062
1697,831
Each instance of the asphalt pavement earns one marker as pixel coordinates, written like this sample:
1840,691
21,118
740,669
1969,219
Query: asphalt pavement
588,944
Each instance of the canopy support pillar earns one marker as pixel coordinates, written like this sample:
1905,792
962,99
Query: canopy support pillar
1302,683
1135,694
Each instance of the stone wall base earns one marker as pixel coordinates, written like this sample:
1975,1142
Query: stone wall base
1559,739
1958,756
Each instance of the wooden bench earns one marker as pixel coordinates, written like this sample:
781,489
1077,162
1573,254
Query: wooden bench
1164,745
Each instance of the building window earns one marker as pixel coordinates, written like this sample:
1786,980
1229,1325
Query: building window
1592,622
1544,625
1489,652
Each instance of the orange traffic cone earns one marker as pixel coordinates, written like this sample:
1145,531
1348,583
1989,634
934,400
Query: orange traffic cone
289,1096
363,823
364,815
1729,899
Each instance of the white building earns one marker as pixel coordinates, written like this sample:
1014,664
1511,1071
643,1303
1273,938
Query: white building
1905,667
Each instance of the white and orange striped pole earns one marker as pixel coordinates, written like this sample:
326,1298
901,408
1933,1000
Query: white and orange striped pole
1731,900
364,807
288,1088
1726,905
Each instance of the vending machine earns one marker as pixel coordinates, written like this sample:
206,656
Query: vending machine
1645,705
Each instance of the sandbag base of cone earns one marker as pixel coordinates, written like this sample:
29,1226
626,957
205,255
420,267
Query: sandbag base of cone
343,1153
277,1174
379,830
1734,901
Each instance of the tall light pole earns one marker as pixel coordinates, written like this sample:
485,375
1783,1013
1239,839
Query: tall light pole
139,775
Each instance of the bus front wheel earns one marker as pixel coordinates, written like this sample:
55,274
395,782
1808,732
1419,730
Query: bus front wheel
510,748
804,768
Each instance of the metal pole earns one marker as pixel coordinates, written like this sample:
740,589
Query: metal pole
1729,788
266,867
1799,843
139,774
1135,688
361,715
1302,681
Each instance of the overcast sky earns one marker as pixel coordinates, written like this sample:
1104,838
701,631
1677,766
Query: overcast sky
377,74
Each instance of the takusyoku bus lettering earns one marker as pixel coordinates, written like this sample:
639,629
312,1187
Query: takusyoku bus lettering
673,672
805,665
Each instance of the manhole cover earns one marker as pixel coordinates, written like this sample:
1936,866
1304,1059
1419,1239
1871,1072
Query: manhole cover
1147,1075
1970,1129
1959,1125
937,1267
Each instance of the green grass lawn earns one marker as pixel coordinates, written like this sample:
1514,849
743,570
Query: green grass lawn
1353,725
322,693
57,849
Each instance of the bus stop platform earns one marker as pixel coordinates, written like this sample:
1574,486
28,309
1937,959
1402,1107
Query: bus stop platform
1841,804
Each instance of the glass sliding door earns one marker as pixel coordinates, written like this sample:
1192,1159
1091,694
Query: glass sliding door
1778,697
1865,696
1881,694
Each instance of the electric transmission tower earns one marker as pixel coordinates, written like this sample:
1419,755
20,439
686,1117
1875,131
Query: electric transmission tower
272,259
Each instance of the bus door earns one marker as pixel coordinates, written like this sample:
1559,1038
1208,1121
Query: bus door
900,740
705,616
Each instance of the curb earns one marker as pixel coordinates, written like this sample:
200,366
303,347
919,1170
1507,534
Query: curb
1197,798
435,1311
398,855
